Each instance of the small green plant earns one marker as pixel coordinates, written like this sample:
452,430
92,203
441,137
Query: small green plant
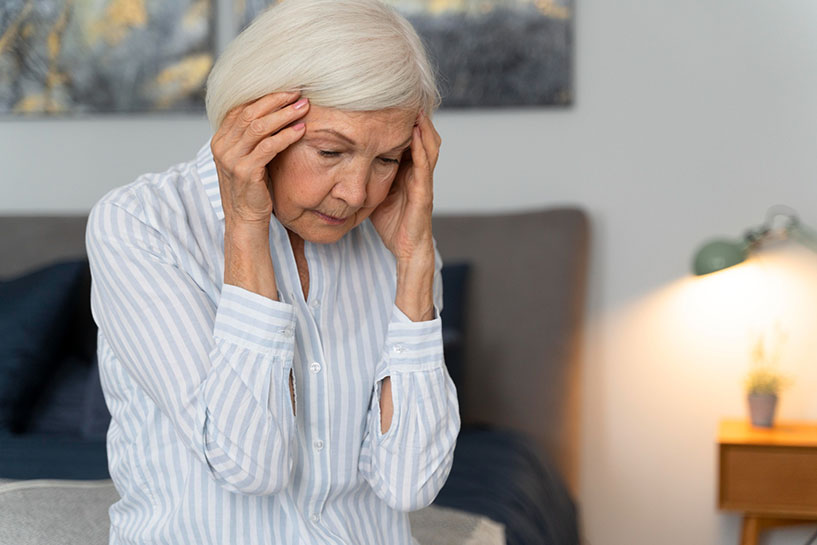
764,377
763,380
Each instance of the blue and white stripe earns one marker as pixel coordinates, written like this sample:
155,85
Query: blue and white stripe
203,446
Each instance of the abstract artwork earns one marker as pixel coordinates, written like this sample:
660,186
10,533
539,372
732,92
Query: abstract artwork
63,57
488,52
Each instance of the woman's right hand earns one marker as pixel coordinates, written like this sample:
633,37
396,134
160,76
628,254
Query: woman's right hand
250,136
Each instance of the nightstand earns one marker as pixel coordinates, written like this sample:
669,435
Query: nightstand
770,474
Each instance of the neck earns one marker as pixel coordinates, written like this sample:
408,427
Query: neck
297,244
295,240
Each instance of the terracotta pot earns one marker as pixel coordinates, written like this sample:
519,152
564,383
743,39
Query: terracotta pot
761,409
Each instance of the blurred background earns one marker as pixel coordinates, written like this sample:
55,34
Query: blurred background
688,120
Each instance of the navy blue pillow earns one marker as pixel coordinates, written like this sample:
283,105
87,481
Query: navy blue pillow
95,415
60,405
455,284
71,403
35,314
82,332
46,456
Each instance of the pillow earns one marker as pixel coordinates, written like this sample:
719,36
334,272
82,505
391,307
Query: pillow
71,403
35,312
60,404
95,415
46,456
455,281
82,332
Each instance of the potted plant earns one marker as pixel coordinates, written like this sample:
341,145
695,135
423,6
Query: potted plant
764,382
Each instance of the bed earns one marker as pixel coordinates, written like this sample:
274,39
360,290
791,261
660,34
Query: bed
515,287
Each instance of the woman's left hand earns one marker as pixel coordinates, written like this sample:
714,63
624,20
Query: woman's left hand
403,219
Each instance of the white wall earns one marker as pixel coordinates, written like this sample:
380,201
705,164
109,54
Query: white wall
691,118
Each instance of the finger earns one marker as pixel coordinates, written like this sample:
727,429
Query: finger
431,140
242,115
429,127
422,172
259,108
269,124
254,164
235,113
226,136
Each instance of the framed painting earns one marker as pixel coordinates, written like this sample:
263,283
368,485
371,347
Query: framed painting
64,57
488,53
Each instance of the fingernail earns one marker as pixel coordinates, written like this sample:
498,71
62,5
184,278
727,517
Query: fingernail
299,126
301,103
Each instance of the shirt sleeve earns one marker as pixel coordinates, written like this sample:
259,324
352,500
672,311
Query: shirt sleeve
219,372
408,465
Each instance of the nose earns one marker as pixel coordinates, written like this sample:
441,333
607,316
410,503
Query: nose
351,188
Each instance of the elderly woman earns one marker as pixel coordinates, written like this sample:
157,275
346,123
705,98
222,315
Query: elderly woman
269,333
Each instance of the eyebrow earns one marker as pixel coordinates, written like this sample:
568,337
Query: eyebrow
353,143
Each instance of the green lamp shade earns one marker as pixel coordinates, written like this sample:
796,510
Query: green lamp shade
717,255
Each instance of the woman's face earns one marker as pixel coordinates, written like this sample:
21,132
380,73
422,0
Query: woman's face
339,171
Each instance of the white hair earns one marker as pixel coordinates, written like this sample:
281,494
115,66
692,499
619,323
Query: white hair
356,55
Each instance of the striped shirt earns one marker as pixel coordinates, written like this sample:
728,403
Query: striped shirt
203,445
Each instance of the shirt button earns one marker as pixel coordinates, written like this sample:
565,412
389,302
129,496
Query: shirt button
315,367
399,348
315,304
315,517
287,331
318,444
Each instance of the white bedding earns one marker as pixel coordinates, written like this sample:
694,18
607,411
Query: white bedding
40,512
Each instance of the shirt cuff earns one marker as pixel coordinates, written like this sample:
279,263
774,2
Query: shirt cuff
414,345
254,321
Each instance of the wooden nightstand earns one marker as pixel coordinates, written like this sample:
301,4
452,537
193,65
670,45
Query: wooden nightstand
770,474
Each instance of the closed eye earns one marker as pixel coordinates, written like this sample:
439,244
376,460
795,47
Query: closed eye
390,161
328,153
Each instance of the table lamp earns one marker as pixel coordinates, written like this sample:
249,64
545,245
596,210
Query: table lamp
719,254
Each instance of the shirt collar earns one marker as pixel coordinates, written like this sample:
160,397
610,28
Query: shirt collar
208,175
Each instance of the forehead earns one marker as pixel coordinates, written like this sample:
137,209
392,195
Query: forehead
380,128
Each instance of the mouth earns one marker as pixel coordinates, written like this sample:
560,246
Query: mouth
330,219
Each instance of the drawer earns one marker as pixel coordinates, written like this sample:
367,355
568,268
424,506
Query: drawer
769,479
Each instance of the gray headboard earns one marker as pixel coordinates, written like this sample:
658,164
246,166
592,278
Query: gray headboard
523,323
524,312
